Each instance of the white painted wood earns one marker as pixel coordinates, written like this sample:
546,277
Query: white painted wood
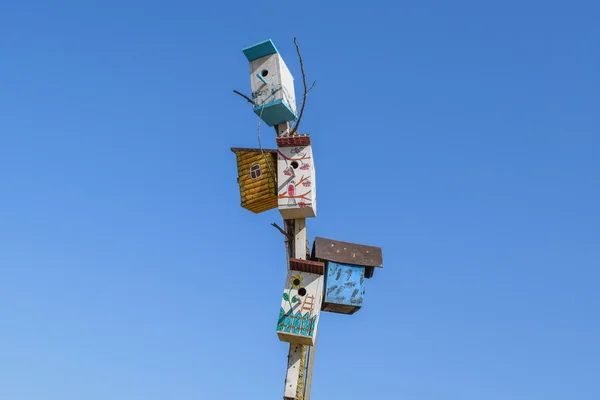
293,371
299,314
287,85
280,83
283,129
296,182
300,238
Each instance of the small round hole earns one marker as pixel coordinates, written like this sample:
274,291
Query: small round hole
264,73
294,164
302,291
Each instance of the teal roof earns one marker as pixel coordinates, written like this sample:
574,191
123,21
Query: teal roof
259,50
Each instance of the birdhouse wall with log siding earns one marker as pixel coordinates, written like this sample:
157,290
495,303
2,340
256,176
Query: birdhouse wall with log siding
272,84
301,303
346,267
257,178
296,178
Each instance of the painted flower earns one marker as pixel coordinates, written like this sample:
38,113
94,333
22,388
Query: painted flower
305,167
296,281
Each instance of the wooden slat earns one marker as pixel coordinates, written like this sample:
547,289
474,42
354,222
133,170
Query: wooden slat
257,183
247,162
260,205
260,200
253,197
249,150
313,267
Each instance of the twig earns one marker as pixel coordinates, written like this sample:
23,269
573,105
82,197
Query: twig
248,99
280,230
309,89
306,90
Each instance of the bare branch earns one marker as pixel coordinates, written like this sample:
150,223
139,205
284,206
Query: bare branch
306,90
248,99
280,229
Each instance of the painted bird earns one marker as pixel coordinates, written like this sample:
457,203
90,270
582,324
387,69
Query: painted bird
291,190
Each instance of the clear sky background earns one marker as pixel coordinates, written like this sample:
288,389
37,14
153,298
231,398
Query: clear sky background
462,137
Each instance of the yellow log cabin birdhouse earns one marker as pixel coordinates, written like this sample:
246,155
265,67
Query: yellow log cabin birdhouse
257,178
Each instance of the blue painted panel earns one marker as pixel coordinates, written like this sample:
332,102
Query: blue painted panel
344,284
259,50
275,113
296,323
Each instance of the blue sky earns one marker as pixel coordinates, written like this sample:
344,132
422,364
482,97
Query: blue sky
461,137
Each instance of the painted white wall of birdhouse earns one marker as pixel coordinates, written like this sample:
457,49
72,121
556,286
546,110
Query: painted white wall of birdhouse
280,83
297,191
305,309
287,84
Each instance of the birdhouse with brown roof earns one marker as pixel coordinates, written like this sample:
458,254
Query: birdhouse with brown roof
296,191
347,265
257,178
301,302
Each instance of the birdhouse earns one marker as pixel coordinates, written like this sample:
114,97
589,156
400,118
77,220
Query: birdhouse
272,84
296,178
346,267
301,302
257,178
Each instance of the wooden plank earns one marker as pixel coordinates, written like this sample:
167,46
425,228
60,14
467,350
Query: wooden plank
293,371
282,129
314,267
243,149
300,239
257,208
347,253
309,370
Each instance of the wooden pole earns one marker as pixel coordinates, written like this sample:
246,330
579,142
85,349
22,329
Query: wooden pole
299,370
297,360
309,370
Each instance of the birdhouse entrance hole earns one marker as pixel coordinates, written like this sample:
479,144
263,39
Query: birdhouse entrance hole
294,164
264,73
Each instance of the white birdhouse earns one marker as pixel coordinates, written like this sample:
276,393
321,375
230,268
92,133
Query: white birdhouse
296,192
301,302
272,84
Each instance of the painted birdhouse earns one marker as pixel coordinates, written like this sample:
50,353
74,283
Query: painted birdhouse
257,178
347,265
272,84
296,191
301,302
